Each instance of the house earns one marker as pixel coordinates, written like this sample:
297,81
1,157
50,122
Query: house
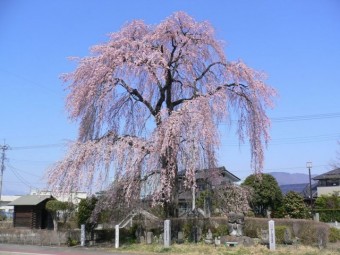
30,212
206,179
328,183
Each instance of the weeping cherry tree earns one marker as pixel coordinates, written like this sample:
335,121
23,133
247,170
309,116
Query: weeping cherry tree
149,102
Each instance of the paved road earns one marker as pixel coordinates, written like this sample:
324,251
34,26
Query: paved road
13,249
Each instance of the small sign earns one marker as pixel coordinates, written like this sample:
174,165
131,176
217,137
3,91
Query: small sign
271,227
167,233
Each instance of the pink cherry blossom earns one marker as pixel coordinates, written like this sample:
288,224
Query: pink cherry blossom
149,102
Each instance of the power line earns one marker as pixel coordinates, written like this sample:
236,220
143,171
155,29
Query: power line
306,117
292,168
305,139
295,140
300,117
20,178
47,89
32,161
16,169
28,147
278,119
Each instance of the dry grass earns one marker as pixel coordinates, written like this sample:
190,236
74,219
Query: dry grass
198,249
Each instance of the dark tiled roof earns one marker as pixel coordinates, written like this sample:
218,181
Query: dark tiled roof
334,174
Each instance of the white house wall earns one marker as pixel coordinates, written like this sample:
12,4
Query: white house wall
328,190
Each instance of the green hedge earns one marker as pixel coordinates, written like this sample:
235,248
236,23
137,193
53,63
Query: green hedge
329,215
308,232
334,235
217,225
280,233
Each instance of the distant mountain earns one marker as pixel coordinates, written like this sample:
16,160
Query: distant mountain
283,178
300,188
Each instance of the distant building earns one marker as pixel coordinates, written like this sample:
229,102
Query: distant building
328,183
5,209
207,179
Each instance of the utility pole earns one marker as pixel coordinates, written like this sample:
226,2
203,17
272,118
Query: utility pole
309,166
3,149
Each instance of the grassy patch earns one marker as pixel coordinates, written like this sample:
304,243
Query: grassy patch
200,249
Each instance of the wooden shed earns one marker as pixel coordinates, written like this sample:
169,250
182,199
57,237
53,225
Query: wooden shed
30,212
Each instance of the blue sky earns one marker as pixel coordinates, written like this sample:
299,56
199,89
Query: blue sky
297,43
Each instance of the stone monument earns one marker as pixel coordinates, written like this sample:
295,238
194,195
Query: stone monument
235,224
209,237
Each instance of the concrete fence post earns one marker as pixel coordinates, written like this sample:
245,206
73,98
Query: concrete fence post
167,233
82,234
117,236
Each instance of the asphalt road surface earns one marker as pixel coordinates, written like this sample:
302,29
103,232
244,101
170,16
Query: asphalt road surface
13,249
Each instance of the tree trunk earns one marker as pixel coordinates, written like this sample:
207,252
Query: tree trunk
171,207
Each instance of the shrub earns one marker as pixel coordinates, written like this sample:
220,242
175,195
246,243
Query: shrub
334,235
280,233
309,232
105,235
329,207
217,225
187,229
293,206
71,242
312,233
253,226
329,215
221,230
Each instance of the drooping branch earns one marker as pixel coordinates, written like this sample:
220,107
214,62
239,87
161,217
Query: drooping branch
149,102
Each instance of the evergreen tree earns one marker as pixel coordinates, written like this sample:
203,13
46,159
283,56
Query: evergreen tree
266,193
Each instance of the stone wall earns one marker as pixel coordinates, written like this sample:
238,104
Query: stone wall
37,237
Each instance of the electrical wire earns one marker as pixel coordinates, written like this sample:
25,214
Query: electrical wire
307,117
32,161
298,118
28,147
293,140
20,178
16,169
292,168
19,76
